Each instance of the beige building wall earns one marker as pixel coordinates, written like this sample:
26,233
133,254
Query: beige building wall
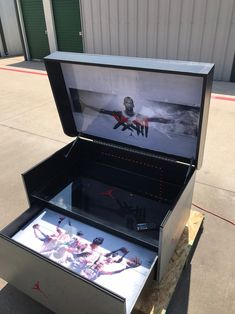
197,30
10,28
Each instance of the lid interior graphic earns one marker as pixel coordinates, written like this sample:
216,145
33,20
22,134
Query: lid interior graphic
152,110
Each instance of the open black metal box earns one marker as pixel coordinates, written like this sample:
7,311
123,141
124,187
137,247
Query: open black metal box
107,210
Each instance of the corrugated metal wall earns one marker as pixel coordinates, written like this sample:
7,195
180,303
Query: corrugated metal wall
10,28
198,30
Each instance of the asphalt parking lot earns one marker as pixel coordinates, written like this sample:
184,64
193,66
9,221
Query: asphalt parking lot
31,130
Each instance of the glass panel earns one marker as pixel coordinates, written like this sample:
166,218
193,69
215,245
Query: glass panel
155,111
106,204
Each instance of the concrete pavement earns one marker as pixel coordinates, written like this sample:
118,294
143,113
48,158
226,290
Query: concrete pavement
30,130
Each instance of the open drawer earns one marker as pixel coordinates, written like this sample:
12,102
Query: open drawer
51,256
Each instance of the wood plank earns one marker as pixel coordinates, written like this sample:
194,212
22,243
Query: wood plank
158,296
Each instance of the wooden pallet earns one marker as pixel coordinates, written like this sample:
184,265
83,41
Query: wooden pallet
158,296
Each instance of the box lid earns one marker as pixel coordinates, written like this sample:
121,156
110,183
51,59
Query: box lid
158,106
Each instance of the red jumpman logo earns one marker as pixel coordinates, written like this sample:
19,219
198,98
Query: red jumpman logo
108,193
37,287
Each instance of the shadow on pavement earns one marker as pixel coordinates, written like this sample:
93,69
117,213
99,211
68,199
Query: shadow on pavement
224,88
32,65
179,301
12,301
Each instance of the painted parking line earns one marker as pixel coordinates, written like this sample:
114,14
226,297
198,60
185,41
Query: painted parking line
213,96
24,71
222,97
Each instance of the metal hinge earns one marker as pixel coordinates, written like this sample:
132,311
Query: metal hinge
72,147
189,168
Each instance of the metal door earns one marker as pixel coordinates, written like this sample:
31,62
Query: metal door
68,25
35,28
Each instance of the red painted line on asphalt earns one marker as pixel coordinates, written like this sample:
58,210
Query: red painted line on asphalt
213,96
23,71
222,97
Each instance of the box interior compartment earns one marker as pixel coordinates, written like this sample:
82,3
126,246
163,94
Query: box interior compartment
116,189
143,121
